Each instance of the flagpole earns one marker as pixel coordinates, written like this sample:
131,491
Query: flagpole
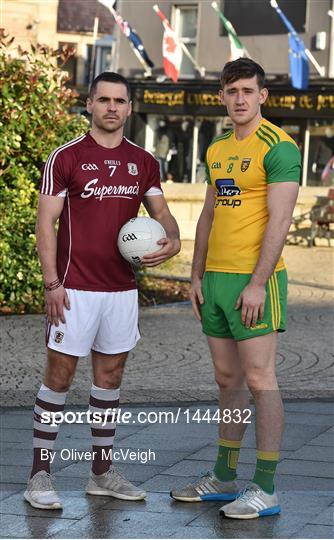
164,19
132,37
320,69
147,69
199,68
331,43
229,27
92,61
118,39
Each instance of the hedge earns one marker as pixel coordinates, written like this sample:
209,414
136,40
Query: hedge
36,118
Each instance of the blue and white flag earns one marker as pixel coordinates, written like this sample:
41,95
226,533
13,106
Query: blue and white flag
131,34
299,67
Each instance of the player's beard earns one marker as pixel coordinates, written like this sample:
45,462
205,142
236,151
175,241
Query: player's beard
103,125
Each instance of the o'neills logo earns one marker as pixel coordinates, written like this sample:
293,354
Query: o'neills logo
102,192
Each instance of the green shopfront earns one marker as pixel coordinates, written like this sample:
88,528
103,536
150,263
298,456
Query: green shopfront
176,122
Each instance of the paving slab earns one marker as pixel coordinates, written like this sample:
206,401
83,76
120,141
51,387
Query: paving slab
32,527
195,532
294,436
163,483
310,407
315,531
74,507
197,468
310,452
162,441
134,473
74,487
201,430
20,421
16,435
324,420
318,469
7,490
291,482
326,517
14,474
324,439
125,524
159,502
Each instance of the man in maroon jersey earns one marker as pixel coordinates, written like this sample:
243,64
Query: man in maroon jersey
92,185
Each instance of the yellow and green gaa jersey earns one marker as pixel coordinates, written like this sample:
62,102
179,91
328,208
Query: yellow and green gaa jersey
240,171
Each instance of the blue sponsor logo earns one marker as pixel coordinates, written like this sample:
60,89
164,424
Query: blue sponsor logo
227,188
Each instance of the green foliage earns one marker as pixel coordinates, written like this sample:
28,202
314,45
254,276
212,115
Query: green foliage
20,276
36,118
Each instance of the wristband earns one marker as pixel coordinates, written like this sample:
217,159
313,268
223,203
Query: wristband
53,285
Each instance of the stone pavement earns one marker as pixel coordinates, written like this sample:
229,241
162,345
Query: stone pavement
172,362
170,371
182,451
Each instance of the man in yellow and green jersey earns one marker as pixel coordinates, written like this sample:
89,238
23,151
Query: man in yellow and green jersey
239,285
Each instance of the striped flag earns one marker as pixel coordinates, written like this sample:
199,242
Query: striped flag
171,48
135,41
237,50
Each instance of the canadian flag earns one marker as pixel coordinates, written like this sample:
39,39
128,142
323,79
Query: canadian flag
171,48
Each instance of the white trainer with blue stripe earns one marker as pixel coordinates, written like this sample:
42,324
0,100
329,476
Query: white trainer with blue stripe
207,488
252,503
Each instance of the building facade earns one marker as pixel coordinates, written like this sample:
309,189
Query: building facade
77,24
177,121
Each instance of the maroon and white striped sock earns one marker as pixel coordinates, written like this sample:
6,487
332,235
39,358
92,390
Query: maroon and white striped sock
100,400
47,400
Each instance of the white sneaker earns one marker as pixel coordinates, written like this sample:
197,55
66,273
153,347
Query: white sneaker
207,488
252,503
40,492
113,484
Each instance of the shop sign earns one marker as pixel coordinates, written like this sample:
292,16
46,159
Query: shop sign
315,102
164,98
181,98
208,102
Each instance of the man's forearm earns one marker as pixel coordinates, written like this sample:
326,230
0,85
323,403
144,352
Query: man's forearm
201,247
170,225
271,249
47,252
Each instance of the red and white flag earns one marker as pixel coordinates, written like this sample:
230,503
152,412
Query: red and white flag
171,48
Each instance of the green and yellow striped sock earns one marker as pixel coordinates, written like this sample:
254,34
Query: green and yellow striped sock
227,459
265,470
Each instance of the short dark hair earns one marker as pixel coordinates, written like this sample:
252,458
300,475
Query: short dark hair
112,77
243,68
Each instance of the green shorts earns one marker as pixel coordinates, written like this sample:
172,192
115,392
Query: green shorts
221,291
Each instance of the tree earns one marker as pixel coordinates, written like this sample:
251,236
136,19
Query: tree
36,119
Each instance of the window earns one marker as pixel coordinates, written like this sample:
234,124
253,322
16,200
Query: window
185,25
257,17
104,55
320,152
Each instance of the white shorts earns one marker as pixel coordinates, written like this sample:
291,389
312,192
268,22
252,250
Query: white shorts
106,322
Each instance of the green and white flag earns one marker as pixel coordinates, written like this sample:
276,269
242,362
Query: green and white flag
236,47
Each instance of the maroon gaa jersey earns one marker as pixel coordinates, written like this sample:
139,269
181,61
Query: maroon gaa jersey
103,188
